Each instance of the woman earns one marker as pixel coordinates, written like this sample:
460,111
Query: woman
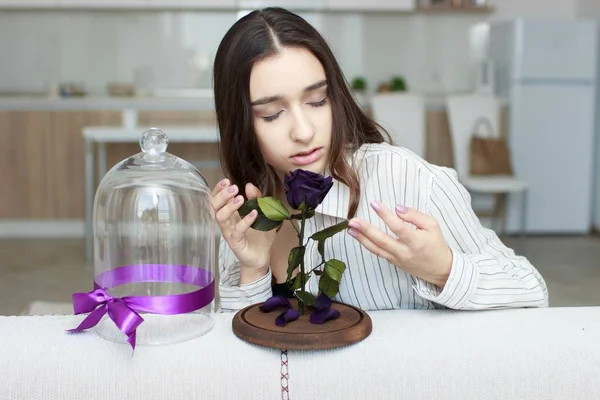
282,103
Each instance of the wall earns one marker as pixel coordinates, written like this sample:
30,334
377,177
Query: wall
175,49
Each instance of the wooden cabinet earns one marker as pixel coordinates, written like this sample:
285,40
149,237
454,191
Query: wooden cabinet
42,158
42,162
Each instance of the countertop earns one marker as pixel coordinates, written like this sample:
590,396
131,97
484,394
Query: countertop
34,103
100,103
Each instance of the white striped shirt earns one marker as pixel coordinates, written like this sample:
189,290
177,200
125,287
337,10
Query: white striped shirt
484,274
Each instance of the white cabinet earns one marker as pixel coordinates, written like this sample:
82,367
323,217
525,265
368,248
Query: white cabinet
194,4
292,5
101,3
121,4
373,5
28,3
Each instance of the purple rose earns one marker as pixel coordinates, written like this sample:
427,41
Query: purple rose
306,186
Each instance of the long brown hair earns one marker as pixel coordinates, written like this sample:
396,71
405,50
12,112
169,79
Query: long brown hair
254,37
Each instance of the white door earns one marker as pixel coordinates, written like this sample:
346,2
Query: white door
551,140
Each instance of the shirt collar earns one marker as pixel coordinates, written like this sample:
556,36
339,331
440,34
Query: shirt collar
337,201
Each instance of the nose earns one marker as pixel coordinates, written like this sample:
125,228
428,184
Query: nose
302,130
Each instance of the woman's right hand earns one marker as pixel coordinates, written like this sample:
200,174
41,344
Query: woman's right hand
251,247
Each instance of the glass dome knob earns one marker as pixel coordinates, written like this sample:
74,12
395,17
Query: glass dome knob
154,142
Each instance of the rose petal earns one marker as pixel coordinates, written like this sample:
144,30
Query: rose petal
320,316
288,315
323,301
306,186
275,302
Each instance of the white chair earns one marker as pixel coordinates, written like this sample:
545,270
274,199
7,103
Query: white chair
403,116
463,112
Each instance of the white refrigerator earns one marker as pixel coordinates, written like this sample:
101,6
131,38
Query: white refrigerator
547,70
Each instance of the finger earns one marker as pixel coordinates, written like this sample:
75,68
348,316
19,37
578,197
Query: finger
220,186
369,245
243,225
226,215
222,198
417,218
252,191
380,239
396,225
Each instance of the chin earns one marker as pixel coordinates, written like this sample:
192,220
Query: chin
317,167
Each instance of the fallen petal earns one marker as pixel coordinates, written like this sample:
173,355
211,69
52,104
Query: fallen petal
288,315
275,302
323,302
320,316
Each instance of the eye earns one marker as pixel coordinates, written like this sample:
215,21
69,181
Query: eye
271,117
320,103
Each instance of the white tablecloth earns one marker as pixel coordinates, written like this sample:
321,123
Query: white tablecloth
551,353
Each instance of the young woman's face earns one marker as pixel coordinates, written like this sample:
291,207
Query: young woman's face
291,111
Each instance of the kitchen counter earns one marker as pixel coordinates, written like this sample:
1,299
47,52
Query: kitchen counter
191,103
19,103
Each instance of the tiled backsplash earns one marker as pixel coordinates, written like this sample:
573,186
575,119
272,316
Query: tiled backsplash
176,49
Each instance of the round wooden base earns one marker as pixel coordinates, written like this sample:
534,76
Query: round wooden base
255,326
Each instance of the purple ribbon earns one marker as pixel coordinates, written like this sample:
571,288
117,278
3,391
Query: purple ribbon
123,310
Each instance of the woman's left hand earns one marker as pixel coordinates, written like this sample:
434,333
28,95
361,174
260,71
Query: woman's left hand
423,252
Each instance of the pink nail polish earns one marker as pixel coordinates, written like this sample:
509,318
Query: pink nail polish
352,232
376,206
401,209
354,224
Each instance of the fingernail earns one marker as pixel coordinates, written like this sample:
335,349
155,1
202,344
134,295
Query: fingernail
376,206
401,209
223,182
352,232
238,200
232,189
354,224
253,213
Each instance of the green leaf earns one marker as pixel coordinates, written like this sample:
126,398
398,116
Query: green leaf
329,232
294,259
318,272
335,269
297,282
262,223
321,248
328,286
307,214
305,297
273,208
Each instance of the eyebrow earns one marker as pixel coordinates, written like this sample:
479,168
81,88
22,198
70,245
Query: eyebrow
270,99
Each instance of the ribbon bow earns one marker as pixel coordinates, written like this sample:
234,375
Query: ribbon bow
98,303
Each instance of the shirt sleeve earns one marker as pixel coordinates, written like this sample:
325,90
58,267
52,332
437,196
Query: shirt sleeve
234,296
485,274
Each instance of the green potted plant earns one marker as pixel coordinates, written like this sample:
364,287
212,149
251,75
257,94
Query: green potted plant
398,84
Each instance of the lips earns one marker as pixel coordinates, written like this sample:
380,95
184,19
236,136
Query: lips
307,157
305,153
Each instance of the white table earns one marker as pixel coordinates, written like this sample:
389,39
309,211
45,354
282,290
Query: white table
100,136
551,353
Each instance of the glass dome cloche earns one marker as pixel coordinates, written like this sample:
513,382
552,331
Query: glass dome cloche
154,247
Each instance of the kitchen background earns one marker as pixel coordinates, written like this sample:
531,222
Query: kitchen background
174,49
69,64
